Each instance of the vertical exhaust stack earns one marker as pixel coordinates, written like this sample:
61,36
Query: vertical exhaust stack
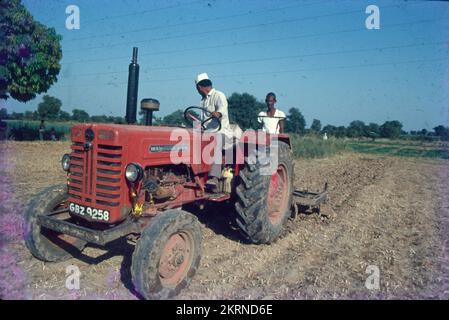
133,86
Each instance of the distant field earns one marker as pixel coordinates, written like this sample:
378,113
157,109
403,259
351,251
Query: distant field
315,147
402,148
309,146
29,129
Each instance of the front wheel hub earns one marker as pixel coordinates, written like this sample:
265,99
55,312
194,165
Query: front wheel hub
176,258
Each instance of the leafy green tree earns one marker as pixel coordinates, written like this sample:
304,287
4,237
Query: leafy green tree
329,129
17,116
372,130
316,126
176,119
99,119
49,108
442,132
29,53
356,129
340,132
80,115
391,129
116,120
31,115
64,116
295,122
244,109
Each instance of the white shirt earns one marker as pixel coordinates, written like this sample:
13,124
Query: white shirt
216,101
271,124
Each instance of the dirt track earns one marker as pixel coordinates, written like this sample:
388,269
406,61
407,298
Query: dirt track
389,212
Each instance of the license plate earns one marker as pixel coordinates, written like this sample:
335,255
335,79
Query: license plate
93,213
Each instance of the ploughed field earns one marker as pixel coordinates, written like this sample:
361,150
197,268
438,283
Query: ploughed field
389,214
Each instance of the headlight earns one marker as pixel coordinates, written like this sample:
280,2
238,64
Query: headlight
133,172
65,162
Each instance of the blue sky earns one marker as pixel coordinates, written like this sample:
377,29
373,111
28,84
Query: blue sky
315,55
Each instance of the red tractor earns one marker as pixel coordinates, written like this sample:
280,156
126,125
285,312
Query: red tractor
122,182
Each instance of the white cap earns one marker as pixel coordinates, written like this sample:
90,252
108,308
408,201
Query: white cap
201,77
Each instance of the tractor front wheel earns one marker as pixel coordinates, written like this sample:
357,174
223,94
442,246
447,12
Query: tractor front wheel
45,244
167,255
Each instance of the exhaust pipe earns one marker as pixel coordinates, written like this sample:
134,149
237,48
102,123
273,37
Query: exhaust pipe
133,86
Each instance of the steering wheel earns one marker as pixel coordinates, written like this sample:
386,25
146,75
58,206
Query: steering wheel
189,116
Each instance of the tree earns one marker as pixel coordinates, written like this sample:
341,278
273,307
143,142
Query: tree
316,126
99,119
373,131
329,129
64,116
391,129
31,115
80,115
295,122
116,120
16,116
442,132
244,109
49,108
3,113
177,119
29,53
340,132
356,129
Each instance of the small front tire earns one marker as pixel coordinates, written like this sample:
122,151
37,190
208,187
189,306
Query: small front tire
45,244
167,255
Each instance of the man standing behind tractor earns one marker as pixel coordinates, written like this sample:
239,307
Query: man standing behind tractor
41,130
271,121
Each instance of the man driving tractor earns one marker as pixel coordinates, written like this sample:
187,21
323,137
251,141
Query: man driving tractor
216,103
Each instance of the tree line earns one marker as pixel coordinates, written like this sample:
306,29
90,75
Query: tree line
50,109
243,110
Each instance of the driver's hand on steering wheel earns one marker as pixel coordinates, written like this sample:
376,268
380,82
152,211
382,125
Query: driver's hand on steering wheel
216,114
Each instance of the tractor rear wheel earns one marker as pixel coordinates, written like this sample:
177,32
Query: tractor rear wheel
264,201
167,255
45,244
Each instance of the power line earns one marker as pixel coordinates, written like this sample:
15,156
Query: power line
134,13
194,22
140,12
273,58
222,30
275,72
235,44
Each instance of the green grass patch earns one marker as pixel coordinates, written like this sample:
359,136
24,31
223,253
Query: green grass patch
439,153
29,130
401,148
316,147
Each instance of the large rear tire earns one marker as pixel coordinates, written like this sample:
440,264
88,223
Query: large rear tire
167,255
264,201
45,244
